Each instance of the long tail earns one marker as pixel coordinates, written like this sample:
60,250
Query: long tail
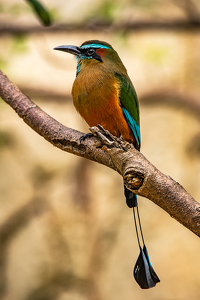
143,272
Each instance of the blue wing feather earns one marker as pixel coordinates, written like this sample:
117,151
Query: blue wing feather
129,104
132,124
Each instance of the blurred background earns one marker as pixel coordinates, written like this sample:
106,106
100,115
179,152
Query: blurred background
65,230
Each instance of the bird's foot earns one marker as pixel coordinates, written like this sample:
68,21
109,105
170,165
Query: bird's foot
85,136
109,139
104,135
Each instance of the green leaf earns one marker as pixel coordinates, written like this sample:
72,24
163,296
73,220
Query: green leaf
41,12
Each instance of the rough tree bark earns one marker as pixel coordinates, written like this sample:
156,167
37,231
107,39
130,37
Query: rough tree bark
138,173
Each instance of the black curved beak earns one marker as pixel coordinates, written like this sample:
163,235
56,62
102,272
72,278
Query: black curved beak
69,48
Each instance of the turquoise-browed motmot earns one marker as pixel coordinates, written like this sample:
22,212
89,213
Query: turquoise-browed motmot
104,94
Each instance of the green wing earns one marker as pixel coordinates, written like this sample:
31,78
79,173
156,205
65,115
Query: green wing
129,105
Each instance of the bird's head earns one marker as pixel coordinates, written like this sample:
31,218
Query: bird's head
90,52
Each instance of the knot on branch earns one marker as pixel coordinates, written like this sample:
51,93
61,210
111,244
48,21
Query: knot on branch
133,180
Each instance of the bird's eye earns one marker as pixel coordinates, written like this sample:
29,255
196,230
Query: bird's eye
90,52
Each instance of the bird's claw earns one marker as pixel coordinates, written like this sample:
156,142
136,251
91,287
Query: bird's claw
109,139
105,136
85,136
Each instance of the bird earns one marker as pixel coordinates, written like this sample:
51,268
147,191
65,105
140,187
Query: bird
104,94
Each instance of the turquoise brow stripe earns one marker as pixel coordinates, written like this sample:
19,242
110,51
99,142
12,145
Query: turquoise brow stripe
94,46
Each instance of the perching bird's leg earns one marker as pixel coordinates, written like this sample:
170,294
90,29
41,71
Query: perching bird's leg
109,139
105,136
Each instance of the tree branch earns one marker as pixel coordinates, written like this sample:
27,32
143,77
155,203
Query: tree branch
138,173
176,24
